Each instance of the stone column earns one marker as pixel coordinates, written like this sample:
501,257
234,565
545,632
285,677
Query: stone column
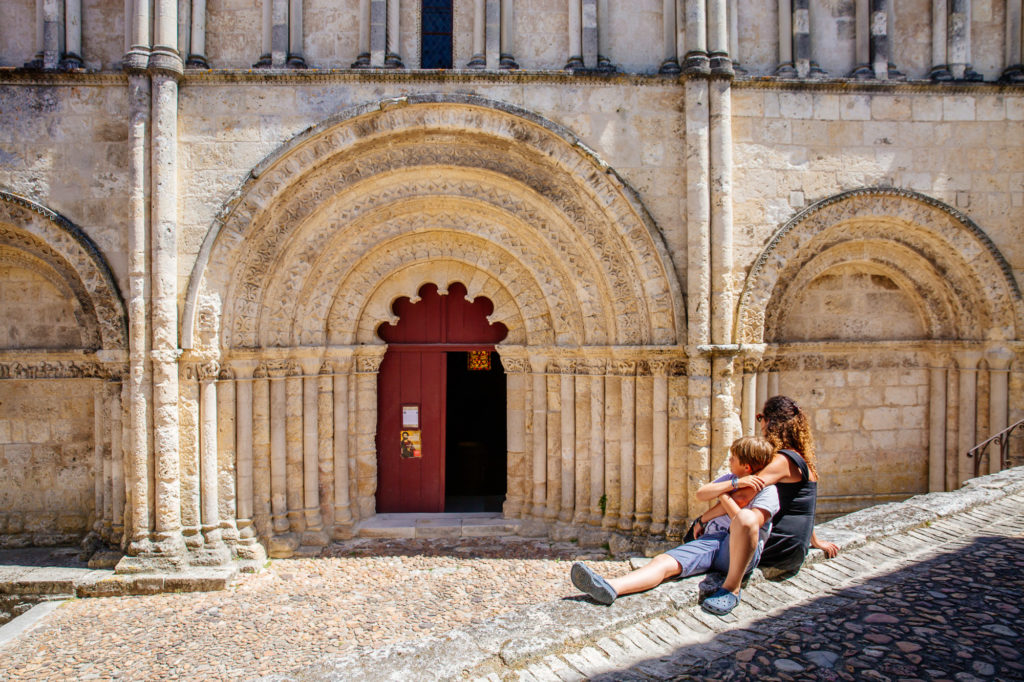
197,37
492,40
588,28
643,449
1014,71
773,384
278,449
342,499
940,63
553,450
670,62
581,445
802,37
262,486
140,493
165,67
295,36
392,60
967,361
612,446
626,370
718,38
244,453
117,403
786,67
294,461
508,60
880,39
214,552
660,467
678,449
734,37
479,60
862,44
266,36
367,364
750,404
227,500
314,534
189,457
597,441
325,443
567,426
998,360
695,62
279,34
937,430
72,56
720,171
538,364
959,35
363,59
762,391
100,466
575,35
52,45
517,466
378,32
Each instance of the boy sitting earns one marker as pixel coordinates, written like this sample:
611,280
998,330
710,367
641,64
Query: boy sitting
711,548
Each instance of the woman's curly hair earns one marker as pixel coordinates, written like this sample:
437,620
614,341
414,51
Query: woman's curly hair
787,427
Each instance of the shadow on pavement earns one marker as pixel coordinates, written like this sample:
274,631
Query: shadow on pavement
956,616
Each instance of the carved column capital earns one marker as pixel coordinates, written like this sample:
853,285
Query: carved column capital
999,358
968,359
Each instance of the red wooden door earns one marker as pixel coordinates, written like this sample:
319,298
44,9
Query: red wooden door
413,373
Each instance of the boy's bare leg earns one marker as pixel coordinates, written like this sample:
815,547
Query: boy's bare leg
742,542
661,568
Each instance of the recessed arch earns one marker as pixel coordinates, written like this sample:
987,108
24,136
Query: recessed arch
53,246
575,249
963,284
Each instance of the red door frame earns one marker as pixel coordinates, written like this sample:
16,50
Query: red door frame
414,371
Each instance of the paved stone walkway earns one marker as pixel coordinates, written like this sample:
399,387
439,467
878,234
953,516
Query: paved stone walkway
935,594
953,612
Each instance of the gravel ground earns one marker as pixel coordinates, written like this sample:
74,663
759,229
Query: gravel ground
359,594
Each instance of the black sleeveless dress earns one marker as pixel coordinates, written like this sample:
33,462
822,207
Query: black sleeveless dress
792,526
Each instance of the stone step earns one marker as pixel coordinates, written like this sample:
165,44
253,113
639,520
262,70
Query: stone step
439,525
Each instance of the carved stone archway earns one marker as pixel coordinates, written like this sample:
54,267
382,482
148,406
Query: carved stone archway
83,359
300,269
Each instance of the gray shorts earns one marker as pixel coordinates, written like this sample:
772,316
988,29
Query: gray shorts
709,553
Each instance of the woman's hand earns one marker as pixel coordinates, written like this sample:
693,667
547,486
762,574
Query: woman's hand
755,482
830,549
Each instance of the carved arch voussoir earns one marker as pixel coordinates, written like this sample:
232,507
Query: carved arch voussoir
600,211
964,267
46,235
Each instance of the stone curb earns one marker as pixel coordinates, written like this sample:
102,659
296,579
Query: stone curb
27,621
514,640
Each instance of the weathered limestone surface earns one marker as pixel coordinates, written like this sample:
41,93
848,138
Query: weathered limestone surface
194,262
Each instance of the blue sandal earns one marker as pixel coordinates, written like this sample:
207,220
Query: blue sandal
721,602
591,583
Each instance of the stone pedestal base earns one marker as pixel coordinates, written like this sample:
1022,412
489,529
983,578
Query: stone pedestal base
210,555
283,546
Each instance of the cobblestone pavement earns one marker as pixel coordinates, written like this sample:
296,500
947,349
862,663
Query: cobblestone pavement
953,611
363,595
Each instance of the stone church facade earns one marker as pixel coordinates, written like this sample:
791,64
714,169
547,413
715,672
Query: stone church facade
209,208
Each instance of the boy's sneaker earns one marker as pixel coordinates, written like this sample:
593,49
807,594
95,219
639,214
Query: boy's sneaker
710,585
591,583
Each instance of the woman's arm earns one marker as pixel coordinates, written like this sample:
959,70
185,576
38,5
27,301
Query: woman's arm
779,468
829,548
710,491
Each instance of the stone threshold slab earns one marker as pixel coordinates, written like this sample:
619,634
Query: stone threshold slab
439,525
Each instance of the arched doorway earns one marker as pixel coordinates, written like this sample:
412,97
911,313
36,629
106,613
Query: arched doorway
441,406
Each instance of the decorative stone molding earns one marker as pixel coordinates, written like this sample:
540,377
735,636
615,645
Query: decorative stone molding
898,231
52,239
353,176
60,369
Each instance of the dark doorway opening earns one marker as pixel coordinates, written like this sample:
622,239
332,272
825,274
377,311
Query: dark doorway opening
476,449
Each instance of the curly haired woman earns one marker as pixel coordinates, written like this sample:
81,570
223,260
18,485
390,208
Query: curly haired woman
794,473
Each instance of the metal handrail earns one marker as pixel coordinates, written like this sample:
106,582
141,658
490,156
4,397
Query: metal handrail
980,451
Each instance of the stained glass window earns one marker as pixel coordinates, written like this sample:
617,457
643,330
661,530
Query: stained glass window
478,360
436,44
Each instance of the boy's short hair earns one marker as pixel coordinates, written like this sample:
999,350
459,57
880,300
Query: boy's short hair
754,451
